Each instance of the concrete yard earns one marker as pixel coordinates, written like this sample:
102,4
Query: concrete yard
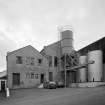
68,96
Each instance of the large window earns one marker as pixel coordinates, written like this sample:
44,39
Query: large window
30,60
19,60
32,75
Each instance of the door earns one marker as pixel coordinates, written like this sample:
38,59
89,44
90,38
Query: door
2,85
42,78
72,76
16,78
50,76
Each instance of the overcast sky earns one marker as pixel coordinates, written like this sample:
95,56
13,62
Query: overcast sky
35,22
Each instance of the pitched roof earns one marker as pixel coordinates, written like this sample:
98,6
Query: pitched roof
9,53
22,48
91,44
2,74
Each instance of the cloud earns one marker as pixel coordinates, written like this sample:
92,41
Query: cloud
35,22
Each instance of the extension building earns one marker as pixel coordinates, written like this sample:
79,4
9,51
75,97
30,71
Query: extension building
56,54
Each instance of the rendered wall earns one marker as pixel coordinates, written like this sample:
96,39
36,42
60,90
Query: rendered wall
24,69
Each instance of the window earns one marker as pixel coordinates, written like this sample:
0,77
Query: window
50,61
32,61
19,60
39,61
32,75
36,76
27,75
27,60
55,61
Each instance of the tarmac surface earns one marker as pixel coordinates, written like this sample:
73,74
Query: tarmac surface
60,96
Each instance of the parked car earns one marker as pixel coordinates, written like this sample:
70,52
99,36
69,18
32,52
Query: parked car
60,84
50,85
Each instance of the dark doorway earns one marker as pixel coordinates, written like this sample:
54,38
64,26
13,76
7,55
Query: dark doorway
42,78
70,77
16,78
50,76
2,86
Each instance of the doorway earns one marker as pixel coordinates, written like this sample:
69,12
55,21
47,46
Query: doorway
50,76
70,77
42,78
2,86
16,78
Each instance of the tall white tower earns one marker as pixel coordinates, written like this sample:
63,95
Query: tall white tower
66,36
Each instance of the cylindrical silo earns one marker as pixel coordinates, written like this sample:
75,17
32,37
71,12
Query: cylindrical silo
82,73
66,41
95,70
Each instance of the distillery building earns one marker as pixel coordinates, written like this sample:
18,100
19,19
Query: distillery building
59,62
26,68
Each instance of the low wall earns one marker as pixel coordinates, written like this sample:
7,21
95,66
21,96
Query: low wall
87,84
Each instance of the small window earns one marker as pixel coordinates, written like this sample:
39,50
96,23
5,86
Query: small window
55,61
27,60
32,61
36,76
32,75
39,61
50,61
19,60
28,75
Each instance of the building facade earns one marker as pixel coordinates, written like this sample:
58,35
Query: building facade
26,68
52,53
56,53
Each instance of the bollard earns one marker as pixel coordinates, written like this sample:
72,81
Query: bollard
7,92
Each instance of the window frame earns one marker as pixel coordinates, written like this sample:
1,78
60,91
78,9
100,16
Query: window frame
19,60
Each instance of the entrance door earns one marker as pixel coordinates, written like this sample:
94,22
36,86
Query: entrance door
42,78
72,76
2,85
16,78
50,76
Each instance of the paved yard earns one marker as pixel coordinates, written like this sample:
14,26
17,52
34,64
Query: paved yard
68,96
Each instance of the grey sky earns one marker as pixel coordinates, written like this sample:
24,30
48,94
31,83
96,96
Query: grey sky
35,22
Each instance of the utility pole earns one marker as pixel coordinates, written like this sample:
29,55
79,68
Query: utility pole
65,68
